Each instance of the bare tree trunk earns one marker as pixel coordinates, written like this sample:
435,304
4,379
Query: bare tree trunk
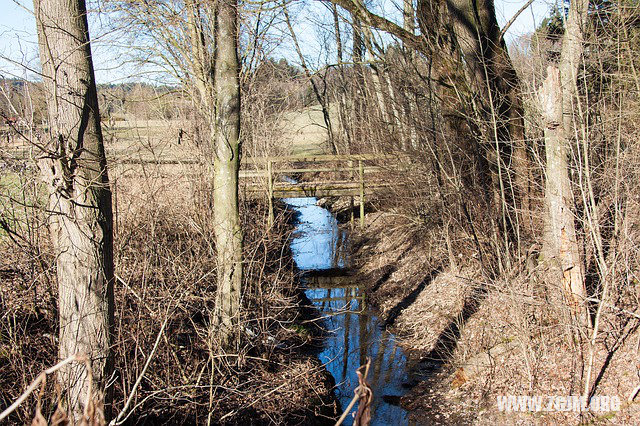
342,96
75,170
394,117
409,137
226,132
561,242
376,76
408,17
556,98
358,89
466,29
199,63
490,72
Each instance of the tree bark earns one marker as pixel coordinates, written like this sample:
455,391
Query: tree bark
556,99
408,17
560,242
226,133
490,71
81,223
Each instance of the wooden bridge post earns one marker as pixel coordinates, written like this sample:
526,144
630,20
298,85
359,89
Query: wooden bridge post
361,170
270,183
351,203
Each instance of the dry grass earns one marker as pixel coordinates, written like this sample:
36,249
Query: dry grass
165,263
510,335
437,306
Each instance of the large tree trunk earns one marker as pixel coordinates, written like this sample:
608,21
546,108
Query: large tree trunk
451,28
80,199
556,98
560,242
491,73
226,132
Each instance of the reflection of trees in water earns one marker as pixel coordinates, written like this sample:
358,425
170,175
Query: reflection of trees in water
379,361
320,243
327,300
347,330
392,359
339,248
364,338
351,340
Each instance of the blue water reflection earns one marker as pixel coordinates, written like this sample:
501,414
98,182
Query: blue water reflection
318,240
354,333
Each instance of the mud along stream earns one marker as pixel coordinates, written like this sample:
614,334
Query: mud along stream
353,331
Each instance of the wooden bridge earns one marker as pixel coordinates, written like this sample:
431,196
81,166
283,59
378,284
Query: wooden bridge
288,176
347,177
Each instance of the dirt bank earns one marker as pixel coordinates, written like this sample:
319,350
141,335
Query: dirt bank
478,338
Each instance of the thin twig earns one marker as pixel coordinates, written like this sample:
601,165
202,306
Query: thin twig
513,18
119,419
41,377
356,395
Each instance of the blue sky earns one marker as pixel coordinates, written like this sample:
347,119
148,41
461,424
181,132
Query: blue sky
18,41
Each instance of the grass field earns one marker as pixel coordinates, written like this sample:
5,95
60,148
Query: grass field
305,132
301,133
20,197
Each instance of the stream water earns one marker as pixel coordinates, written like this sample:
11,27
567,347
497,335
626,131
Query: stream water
353,331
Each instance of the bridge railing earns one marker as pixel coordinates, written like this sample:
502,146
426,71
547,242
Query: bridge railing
255,171
356,185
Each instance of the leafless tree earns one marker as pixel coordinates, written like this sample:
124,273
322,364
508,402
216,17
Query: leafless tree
75,170
226,167
556,99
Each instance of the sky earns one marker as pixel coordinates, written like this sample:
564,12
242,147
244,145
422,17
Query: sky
18,41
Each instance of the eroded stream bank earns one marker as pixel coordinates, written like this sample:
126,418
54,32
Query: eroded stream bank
353,331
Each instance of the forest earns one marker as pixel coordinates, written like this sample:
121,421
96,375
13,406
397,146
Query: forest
319,212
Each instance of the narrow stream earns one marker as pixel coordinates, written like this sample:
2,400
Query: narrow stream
353,331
